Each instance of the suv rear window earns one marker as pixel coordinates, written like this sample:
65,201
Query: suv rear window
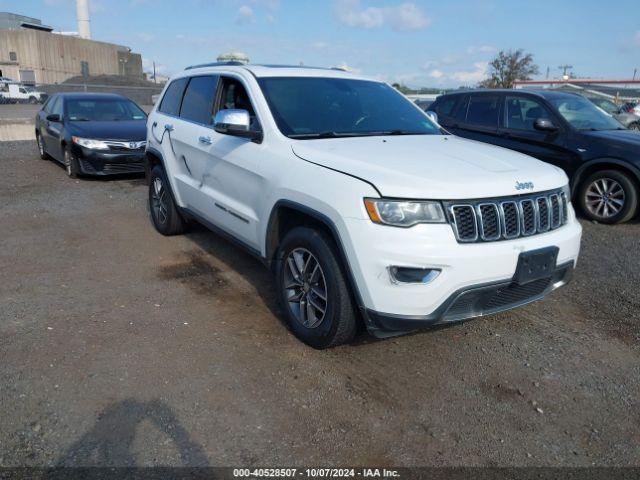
173,97
197,104
444,107
483,110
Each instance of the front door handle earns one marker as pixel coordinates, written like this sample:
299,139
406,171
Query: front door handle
205,140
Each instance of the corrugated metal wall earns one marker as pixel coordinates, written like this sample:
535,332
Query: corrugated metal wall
54,57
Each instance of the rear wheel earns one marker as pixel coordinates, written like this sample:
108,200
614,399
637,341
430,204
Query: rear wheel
164,212
71,163
608,196
313,289
635,126
43,154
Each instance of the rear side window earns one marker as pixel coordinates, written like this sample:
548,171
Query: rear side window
444,107
197,104
173,97
483,110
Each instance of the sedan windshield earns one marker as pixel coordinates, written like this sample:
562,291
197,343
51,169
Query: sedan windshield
308,108
103,110
584,115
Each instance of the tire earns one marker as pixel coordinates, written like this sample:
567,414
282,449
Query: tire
71,164
301,290
33,100
41,151
635,126
165,216
608,196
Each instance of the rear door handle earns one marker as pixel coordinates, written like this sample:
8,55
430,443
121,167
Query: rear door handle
205,140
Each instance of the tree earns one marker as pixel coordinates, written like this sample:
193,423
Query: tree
507,67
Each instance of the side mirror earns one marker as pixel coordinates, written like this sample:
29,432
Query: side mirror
54,117
544,125
235,122
433,116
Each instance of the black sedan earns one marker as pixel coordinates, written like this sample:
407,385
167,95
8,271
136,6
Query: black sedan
92,133
599,155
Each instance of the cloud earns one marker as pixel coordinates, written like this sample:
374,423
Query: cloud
637,38
146,37
245,15
474,50
469,77
403,17
319,45
437,74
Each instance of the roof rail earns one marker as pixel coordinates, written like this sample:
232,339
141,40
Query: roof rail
216,64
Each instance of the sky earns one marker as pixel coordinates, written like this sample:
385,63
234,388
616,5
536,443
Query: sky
428,43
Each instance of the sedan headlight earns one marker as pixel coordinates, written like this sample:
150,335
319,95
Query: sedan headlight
401,213
91,144
567,192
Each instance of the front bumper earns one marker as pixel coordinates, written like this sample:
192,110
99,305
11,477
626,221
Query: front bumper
475,278
471,302
95,162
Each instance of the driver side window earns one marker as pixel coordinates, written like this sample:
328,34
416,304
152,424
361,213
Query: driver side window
233,95
520,113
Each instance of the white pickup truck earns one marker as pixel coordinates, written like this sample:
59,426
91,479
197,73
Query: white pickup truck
16,93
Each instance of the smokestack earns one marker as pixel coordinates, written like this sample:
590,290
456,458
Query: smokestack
84,25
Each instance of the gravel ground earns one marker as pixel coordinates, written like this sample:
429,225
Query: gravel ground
122,347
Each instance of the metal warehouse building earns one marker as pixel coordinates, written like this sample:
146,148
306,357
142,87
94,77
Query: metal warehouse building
31,52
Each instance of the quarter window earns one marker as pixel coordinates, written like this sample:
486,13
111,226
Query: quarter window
197,104
173,97
445,107
521,113
483,111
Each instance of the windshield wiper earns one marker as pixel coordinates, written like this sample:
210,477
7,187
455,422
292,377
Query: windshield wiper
328,134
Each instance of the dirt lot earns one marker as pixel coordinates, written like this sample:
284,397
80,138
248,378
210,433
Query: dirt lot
119,346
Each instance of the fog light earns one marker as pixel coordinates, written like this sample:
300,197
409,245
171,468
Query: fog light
413,275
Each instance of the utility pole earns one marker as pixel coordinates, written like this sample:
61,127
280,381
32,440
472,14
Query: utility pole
635,72
154,73
564,69
548,73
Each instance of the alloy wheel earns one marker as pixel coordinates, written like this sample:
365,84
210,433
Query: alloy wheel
159,201
305,287
605,197
67,162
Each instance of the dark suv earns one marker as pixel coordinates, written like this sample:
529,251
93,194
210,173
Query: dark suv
600,156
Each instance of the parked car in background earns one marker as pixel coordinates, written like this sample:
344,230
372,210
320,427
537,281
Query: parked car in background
16,93
600,156
92,133
632,107
424,104
629,120
364,208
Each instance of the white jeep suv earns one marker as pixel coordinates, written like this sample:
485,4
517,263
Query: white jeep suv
365,209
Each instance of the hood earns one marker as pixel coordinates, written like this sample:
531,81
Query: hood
623,138
442,167
131,130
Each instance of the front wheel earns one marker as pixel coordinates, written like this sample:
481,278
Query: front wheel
635,126
41,151
608,196
71,164
313,290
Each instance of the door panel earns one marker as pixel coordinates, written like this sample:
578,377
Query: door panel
518,133
480,119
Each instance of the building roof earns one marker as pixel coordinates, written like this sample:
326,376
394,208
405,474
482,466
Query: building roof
13,21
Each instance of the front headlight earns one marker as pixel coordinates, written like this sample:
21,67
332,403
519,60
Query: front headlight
91,144
567,192
402,213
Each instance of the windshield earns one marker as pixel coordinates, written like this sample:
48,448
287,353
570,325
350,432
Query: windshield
307,108
584,115
103,110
